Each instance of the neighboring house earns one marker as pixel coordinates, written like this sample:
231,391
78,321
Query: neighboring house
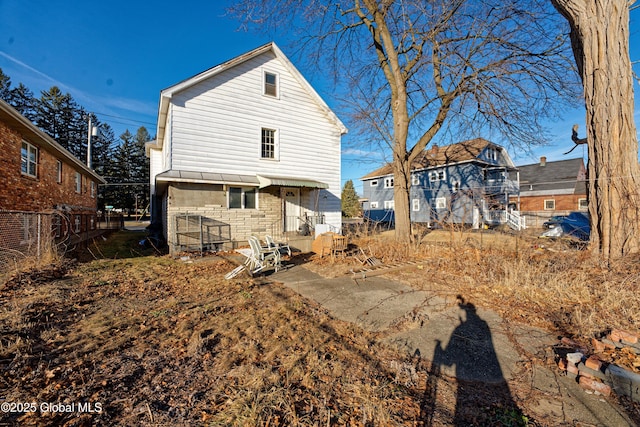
465,183
248,147
39,176
552,188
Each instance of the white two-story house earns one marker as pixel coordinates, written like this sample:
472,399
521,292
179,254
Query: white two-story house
244,148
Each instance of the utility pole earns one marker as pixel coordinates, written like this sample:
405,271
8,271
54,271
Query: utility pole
91,130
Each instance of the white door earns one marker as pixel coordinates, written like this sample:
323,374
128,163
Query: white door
291,209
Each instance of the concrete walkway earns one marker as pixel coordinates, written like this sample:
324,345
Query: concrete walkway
466,342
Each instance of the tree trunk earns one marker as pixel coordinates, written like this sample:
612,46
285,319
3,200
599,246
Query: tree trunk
401,188
600,39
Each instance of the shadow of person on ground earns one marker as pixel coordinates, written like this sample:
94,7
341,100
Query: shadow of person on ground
482,391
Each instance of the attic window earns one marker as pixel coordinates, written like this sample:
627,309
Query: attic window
271,84
437,175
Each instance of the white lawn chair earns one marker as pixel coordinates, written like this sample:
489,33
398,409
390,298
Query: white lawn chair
262,258
282,247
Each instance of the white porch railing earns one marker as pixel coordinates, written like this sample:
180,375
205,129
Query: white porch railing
510,217
515,220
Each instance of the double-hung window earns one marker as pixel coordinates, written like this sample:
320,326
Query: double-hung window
268,144
29,160
58,171
437,175
242,198
271,84
388,183
78,182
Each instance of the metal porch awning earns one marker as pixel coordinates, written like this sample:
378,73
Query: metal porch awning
266,181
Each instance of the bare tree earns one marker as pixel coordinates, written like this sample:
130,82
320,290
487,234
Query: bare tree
600,40
414,68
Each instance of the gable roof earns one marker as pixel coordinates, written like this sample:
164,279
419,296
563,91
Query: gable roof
166,94
12,118
562,176
436,156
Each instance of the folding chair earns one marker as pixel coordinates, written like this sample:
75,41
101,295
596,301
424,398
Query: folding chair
262,258
280,246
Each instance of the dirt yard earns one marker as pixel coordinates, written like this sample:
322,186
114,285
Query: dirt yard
150,340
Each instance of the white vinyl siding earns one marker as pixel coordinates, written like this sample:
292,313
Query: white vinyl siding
215,126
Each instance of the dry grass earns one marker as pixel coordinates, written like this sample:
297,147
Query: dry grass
162,342
536,281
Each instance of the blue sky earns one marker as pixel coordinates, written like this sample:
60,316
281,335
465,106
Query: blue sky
114,58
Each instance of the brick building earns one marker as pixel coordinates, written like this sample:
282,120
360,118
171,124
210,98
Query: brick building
551,188
39,175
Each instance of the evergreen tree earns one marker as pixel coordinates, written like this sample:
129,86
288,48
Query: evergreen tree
5,87
350,202
21,98
61,118
142,167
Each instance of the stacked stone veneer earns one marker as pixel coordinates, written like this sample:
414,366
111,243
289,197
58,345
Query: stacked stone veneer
43,193
596,375
267,219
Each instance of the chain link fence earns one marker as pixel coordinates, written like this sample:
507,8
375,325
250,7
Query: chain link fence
29,239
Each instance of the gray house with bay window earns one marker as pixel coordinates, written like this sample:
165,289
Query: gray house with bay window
465,183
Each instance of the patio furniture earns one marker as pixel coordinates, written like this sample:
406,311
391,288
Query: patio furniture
282,247
330,244
262,258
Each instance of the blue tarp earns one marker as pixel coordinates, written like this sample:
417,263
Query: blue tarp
576,224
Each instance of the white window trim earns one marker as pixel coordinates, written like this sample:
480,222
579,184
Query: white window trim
389,205
415,205
437,175
59,171
276,144
545,205
78,183
93,189
30,148
374,205
388,182
242,197
374,183
580,208
415,179
264,84
455,186
441,202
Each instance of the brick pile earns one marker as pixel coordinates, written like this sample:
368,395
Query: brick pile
593,373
